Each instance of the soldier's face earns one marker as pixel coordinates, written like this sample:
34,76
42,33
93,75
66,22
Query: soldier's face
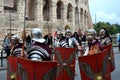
102,33
90,38
14,41
68,34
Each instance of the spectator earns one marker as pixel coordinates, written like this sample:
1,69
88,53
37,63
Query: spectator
82,37
118,40
28,41
49,40
7,44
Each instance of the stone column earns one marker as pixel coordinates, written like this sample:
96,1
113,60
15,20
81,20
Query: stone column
21,7
64,16
21,12
39,11
73,15
53,14
73,18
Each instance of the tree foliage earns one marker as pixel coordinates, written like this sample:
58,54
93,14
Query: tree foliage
112,28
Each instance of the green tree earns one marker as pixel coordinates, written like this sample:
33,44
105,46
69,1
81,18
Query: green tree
112,28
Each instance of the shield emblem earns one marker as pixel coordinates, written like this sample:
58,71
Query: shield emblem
65,63
95,67
36,70
111,56
11,68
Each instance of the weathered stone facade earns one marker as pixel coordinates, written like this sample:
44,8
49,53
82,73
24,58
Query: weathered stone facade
49,15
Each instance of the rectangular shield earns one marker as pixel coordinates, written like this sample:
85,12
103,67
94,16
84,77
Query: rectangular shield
94,67
66,63
36,70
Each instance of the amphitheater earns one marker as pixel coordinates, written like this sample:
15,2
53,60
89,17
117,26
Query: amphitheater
48,15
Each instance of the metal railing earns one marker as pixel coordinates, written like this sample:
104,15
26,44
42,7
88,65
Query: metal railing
2,56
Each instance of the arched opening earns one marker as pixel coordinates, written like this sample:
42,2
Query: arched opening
46,10
59,9
30,10
85,16
81,15
69,12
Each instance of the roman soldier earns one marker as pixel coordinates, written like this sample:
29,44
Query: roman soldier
39,50
104,37
60,40
16,46
94,45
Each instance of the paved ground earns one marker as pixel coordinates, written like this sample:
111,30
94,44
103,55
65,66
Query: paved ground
114,75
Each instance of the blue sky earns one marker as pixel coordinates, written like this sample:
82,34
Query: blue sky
105,10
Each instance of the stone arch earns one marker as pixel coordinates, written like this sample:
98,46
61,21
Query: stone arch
69,12
59,9
81,15
30,14
46,10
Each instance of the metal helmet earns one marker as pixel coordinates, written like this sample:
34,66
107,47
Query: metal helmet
36,35
15,39
15,36
68,30
91,33
68,33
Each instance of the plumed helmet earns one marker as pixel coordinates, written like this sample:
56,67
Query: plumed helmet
36,34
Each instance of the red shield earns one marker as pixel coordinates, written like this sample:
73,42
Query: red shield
66,63
95,66
36,70
111,56
24,69
11,67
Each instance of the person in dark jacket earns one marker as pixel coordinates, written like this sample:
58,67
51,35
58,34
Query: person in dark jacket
7,43
49,40
28,41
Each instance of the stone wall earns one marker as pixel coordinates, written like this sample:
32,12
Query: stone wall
49,15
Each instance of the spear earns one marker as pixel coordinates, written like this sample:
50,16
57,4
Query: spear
24,33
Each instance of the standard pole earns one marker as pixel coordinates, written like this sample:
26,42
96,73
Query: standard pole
25,15
10,20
